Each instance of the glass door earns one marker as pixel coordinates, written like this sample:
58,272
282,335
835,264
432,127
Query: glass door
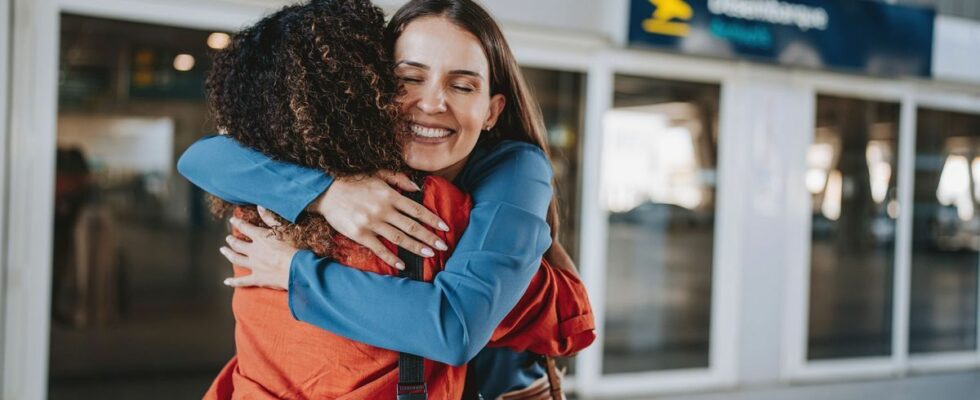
137,302
658,190
895,243
852,177
945,234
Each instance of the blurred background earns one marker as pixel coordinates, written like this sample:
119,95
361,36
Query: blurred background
767,199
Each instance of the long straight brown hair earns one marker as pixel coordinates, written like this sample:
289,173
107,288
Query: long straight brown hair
521,118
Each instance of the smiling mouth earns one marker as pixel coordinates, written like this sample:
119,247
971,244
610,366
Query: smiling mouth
430,133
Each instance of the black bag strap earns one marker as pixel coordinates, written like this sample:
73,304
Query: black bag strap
411,368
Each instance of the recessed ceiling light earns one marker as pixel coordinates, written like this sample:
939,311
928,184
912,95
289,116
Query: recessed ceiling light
184,62
218,40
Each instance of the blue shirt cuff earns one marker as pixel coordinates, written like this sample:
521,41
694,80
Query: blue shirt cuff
297,285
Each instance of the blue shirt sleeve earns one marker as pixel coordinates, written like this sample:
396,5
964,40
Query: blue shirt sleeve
452,318
237,174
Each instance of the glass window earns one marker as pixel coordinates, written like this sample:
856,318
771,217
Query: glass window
658,186
945,233
562,99
137,299
852,177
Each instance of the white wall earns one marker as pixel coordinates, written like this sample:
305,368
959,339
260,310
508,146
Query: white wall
769,120
956,49
605,19
5,28
30,176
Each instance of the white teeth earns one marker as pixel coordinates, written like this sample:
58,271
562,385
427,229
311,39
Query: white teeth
430,132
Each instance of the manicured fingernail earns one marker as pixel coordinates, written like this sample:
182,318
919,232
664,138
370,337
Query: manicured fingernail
261,209
400,266
441,245
417,188
428,252
443,226
227,282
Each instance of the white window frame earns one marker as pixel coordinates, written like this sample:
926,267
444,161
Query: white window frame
5,32
910,95
939,361
31,160
604,65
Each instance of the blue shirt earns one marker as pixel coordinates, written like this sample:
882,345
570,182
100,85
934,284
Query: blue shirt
450,319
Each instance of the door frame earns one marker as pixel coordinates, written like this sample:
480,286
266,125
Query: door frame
910,94
5,62
30,160
590,381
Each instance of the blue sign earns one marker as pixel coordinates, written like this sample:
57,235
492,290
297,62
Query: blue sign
861,35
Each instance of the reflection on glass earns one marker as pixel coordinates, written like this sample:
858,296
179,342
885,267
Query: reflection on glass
945,233
561,96
850,176
658,187
136,279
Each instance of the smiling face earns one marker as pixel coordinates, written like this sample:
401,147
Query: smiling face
447,96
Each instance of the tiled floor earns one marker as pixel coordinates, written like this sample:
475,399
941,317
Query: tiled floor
950,386
152,388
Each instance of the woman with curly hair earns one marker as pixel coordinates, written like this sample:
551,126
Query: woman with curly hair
457,75
310,85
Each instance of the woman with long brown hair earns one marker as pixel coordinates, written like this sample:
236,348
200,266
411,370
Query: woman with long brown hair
473,121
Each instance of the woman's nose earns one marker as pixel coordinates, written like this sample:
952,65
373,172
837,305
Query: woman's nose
432,100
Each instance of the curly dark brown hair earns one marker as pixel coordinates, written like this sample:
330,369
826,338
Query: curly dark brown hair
311,84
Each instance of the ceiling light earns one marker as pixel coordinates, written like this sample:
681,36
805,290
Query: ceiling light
218,40
184,62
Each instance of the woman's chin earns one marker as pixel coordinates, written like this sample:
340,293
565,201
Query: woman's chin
426,158
427,165
443,159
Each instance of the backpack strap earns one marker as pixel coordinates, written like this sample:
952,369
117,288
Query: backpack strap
411,368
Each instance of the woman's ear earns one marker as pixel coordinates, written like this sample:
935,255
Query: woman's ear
497,104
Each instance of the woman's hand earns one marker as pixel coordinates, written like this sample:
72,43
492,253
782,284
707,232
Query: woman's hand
266,256
364,208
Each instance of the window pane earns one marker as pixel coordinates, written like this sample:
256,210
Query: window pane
137,299
562,99
851,174
561,96
945,233
658,187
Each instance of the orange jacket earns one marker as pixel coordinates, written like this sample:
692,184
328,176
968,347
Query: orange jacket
279,357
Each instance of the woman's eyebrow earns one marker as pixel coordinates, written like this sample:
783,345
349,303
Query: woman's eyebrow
419,65
412,64
466,72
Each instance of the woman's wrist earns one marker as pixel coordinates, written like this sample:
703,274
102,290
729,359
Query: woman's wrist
316,206
286,266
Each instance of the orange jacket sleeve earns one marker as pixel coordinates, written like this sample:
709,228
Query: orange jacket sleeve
554,317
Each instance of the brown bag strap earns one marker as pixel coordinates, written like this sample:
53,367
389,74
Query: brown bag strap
554,381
